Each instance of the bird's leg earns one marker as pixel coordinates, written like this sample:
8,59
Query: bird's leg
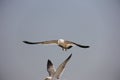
63,49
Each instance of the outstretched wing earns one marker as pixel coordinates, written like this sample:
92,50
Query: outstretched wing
50,68
61,67
79,45
43,42
82,46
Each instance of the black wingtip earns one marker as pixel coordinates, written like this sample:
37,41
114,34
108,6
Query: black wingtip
69,57
86,47
27,42
49,63
82,46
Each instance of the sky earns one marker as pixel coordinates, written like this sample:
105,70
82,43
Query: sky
89,22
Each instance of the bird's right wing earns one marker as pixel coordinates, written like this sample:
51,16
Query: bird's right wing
50,68
43,42
61,67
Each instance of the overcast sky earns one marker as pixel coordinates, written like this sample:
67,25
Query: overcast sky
90,22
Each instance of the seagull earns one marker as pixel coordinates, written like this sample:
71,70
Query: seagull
64,44
56,73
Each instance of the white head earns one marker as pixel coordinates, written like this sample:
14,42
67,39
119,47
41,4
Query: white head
60,41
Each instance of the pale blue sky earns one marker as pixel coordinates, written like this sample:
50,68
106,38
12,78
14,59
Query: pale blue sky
89,22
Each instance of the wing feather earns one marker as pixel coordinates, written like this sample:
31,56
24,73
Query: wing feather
61,67
82,46
50,68
79,45
43,42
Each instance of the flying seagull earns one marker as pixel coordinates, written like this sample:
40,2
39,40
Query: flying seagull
64,44
56,73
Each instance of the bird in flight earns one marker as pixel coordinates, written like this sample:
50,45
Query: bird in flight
56,73
64,44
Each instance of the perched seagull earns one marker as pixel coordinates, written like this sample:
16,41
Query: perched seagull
64,44
56,73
